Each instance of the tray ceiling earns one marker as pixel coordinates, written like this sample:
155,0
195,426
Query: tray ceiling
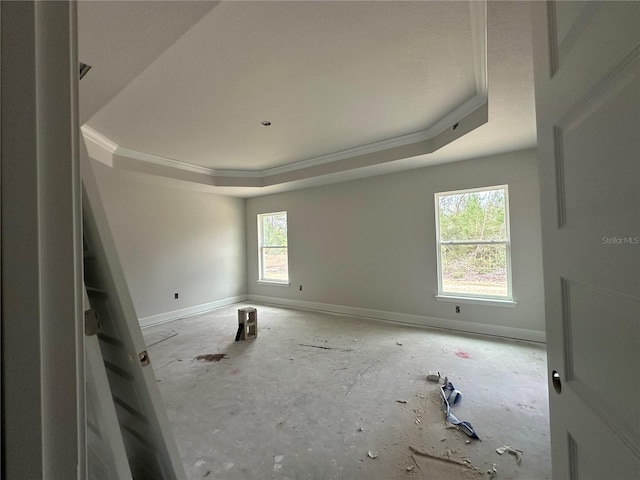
345,85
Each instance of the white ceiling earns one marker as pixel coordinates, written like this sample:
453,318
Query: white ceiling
120,39
179,89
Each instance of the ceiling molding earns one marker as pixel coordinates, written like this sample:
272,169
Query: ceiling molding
445,122
99,139
469,115
456,116
163,161
240,173
357,158
478,15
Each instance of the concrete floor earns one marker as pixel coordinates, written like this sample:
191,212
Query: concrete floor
278,407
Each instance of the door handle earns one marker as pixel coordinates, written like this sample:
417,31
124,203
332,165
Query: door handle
557,383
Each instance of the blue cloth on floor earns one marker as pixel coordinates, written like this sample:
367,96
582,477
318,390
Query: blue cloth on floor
452,396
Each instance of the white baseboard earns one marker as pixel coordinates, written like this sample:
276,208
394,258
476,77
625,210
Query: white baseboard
188,311
409,319
393,317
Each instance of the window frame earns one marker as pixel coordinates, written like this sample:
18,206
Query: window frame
261,248
473,297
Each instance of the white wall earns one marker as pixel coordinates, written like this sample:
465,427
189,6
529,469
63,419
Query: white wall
368,247
174,240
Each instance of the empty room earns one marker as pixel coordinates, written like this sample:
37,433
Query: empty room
320,240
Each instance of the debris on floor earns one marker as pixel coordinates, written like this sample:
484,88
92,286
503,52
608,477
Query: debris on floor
513,451
401,401
370,454
327,348
399,343
433,376
410,468
447,458
418,412
492,472
211,357
276,462
372,364
450,396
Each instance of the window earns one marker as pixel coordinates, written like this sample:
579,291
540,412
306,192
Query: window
273,256
472,235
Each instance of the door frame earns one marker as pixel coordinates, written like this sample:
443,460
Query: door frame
43,412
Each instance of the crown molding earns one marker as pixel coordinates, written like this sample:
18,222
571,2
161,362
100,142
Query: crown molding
163,161
466,109
269,176
99,139
445,122
239,173
478,15
360,157
351,152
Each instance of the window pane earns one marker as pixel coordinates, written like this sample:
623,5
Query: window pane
474,269
275,264
274,230
473,216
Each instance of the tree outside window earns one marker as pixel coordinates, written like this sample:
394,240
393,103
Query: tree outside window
273,247
473,243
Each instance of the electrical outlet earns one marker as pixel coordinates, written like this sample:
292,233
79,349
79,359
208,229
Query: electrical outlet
457,309
175,295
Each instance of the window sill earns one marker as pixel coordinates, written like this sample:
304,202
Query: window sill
274,283
492,302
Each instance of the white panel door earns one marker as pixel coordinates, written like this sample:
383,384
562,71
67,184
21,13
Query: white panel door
145,429
106,454
587,70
